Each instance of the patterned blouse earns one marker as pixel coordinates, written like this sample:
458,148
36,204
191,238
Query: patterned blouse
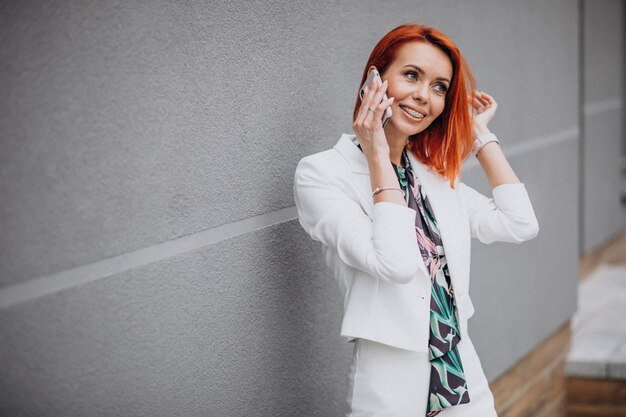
447,378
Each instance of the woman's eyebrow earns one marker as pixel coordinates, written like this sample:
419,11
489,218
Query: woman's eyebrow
421,71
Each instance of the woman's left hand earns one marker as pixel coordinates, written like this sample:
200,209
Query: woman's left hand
485,108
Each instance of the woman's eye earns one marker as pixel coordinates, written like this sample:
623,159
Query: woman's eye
411,75
441,88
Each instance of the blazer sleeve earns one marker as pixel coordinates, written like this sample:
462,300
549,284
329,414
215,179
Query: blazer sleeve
507,217
384,246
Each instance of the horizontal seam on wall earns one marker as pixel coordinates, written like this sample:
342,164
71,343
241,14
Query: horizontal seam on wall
49,284
531,145
602,106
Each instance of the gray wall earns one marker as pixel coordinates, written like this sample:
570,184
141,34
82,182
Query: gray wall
603,121
151,263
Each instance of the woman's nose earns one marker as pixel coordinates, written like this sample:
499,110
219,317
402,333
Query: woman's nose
421,92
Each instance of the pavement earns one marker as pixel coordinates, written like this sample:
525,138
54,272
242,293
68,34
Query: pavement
598,348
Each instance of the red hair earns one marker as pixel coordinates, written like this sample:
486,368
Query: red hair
447,142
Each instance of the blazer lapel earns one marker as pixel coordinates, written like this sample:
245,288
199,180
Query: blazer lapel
358,164
348,149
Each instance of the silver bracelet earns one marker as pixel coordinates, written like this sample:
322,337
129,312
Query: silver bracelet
377,190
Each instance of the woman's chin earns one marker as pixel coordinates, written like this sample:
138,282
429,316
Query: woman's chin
409,130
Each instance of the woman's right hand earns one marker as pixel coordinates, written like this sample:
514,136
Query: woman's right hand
368,124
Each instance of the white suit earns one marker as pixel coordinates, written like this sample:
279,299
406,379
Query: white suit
372,249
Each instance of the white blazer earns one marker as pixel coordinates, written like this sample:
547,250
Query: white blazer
372,249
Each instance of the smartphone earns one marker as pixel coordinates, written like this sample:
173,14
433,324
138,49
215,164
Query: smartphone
368,83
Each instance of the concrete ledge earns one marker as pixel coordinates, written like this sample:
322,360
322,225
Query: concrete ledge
599,326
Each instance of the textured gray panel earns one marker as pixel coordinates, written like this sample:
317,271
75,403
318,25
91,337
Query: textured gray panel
523,293
246,328
603,46
132,124
604,213
129,124
524,53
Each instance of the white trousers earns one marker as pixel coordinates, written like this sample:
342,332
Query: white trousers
385,381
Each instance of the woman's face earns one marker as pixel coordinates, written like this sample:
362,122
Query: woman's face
418,78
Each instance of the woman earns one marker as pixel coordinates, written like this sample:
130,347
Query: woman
395,224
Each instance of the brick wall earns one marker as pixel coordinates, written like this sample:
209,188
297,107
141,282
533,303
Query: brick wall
536,385
589,397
